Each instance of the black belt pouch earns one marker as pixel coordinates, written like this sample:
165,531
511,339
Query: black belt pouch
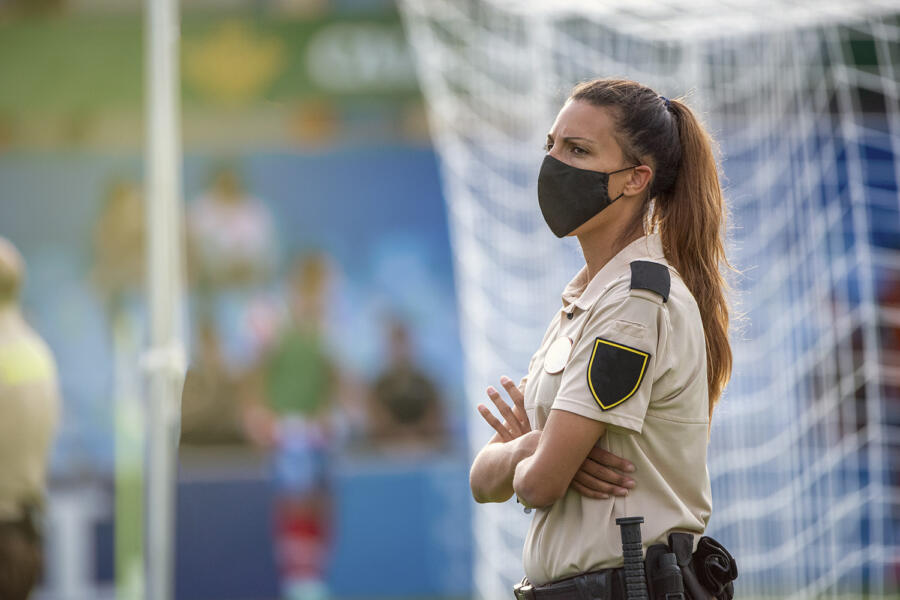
682,544
715,568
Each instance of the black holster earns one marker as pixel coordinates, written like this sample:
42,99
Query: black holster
682,545
664,579
713,582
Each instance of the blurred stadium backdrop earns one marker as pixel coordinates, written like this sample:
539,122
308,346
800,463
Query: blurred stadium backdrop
403,142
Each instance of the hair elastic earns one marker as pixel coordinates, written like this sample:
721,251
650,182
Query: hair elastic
666,100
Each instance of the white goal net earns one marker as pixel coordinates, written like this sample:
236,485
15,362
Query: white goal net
804,99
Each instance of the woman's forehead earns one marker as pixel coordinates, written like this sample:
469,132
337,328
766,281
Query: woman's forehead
583,120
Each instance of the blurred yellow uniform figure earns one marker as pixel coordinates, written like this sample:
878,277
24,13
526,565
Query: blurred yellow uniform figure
29,413
660,424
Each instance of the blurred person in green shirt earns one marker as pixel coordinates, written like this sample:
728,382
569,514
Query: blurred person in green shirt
290,413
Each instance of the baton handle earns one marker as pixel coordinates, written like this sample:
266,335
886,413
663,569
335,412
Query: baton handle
632,551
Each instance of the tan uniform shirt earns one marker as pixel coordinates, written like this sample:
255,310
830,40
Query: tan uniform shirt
29,413
661,427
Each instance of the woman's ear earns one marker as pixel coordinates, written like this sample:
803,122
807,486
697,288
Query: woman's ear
639,181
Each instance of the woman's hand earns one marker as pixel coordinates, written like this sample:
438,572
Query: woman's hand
601,475
516,422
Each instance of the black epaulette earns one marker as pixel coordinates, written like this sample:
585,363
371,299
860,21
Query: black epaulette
647,275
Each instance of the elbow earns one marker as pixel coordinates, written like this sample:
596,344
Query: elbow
482,490
477,491
537,497
479,496
534,491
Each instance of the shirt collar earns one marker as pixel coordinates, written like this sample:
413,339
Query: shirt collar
583,293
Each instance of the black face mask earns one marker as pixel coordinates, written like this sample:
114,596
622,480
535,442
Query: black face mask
570,196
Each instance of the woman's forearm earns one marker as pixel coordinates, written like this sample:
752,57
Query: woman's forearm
546,475
530,493
492,471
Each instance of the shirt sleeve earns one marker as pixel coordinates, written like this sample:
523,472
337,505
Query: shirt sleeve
612,367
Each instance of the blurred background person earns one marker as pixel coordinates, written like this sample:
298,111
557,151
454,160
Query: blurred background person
405,407
29,413
298,385
232,254
231,235
209,405
118,245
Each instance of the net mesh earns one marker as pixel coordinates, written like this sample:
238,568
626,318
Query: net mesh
805,103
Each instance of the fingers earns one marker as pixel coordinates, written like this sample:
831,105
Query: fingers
603,457
499,427
586,491
516,428
514,391
601,474
518,401
606,475
516,421
597,487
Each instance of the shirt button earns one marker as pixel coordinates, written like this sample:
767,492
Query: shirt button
570,315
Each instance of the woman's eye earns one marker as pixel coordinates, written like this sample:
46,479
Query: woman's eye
547,147
579,151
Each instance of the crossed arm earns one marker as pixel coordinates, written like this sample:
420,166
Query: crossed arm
539,466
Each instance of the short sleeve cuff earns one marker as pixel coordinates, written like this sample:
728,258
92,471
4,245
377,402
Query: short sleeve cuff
592,412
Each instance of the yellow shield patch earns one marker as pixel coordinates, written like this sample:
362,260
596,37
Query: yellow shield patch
615,372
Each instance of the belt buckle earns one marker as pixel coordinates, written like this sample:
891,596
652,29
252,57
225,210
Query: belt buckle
524,590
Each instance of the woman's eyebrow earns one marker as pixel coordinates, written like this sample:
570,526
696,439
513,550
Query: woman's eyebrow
572,139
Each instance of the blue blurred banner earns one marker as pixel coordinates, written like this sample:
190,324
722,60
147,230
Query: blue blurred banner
399,533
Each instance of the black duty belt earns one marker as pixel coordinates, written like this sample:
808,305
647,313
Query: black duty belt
668,572
603,585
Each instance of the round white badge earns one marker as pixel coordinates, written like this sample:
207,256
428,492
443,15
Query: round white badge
557,355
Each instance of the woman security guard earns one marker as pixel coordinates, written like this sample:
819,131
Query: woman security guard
635,361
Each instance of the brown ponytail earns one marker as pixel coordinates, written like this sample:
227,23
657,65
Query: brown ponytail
688,208
691,217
